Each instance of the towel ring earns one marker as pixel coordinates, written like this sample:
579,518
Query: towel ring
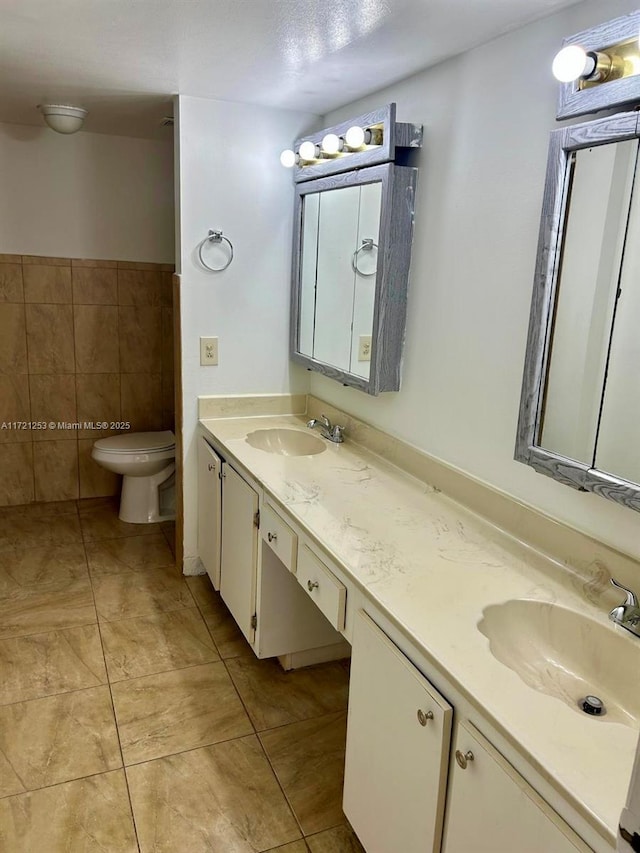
215,237
368,245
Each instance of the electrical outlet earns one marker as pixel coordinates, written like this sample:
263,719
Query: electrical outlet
364,348
208,351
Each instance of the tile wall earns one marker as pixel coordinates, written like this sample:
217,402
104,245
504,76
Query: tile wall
80,341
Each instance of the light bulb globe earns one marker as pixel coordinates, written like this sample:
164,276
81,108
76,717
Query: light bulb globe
570,63
331,143
354,137
288,158
307,151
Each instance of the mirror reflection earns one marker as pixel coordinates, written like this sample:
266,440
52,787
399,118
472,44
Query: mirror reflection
338,267
591,400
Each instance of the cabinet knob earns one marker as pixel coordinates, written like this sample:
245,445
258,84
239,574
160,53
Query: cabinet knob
211,466
423,718
272,537
463,758
311,585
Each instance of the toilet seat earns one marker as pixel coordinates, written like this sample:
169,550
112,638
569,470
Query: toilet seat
138,442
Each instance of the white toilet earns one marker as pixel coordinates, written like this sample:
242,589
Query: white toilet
147,462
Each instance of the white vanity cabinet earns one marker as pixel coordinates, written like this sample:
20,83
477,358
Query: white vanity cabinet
491,808
209,509
239,560
398,734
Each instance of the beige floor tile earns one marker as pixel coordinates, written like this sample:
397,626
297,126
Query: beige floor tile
143,593
86,816
45,664
340,839
174,711
294,847
136,647
39,611
60,738
42,568
129,554
308,759
102,522
228,638
23,529
220,798
274,697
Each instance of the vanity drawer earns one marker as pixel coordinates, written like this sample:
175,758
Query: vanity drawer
279,537
322,586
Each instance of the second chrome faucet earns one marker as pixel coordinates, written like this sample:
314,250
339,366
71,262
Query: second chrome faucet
328,430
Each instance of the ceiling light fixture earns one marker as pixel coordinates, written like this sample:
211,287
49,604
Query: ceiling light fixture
63,118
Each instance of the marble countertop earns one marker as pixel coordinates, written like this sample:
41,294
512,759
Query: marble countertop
433,566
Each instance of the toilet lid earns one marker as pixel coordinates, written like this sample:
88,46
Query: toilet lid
138,442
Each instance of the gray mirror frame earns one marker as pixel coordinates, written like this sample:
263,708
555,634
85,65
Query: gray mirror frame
564,142
392,275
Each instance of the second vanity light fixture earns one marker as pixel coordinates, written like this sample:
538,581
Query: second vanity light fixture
367,140
600,67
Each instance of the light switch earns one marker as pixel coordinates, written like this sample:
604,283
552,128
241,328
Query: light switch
208,351
364,348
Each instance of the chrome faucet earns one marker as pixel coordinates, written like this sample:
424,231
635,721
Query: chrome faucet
327,429
627,614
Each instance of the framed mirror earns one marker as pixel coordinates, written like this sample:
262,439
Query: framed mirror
580,404
352,250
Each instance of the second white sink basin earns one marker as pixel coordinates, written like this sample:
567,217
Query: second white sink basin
567,655
286,442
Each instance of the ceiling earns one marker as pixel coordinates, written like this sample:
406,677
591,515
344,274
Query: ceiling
123,59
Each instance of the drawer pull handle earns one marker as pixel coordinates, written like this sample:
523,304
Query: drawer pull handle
211,466
423,718
463,758
311,585
272,537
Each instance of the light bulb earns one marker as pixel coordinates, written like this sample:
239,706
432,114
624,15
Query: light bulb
331,143
354,137
571,63
307,151
288,158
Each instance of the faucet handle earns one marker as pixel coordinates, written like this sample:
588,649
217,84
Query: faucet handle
631,600
325,420
337,434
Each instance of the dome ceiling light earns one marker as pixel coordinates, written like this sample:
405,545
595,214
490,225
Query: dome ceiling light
63,118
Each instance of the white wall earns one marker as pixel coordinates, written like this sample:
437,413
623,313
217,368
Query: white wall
230,178
487,116
87,195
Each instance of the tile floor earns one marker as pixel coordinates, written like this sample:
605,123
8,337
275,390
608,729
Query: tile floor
133,714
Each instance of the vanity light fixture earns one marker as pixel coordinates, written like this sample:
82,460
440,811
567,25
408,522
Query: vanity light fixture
573,62
599,68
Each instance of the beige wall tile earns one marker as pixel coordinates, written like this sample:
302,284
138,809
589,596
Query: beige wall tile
91,263
47,284
98,396
140,336
10,259
13,339
141,400
53,399
14,407
95,481
11,289
16,483
56,470
96,338
50,338
139,287
167,340
94,286
46,260
143,265
167,290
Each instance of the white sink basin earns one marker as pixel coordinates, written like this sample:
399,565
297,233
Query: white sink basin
286,442
567,655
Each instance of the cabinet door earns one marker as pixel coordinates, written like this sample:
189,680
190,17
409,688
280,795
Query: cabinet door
209,510
491,808
239,549
398,735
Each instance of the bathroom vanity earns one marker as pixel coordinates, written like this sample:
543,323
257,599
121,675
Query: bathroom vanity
452,746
